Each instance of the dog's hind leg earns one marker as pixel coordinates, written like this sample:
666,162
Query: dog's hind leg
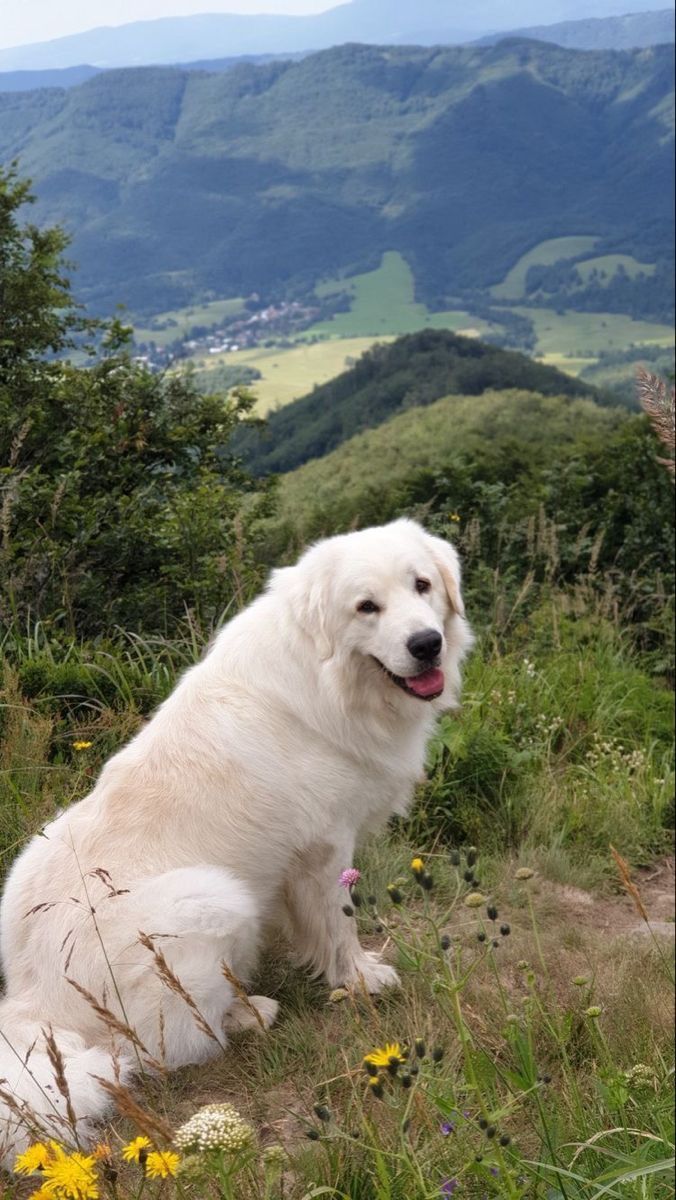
193,922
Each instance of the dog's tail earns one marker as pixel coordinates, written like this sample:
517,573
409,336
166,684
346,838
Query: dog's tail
49,1082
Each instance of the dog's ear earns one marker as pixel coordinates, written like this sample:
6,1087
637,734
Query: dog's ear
448,564
306,594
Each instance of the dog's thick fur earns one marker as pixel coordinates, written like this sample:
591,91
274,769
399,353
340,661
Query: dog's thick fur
238,805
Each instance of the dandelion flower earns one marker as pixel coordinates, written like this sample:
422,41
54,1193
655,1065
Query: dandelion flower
134,1151
81,745
390,1053
71,1177
35,1158
41,1194
161,1164
475,900
215,1127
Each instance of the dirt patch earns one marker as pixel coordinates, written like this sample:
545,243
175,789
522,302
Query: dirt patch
619,914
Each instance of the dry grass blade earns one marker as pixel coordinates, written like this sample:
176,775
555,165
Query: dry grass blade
149,1123
240,991
23,1113
114,1024
658,402
59,1068
628,883
174,984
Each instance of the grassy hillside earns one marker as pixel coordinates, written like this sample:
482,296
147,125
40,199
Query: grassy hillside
415,371
183,186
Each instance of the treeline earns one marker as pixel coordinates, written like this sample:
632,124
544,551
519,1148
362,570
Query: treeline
644,296
412,372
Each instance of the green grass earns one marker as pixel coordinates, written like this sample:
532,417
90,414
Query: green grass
576,335
564,744
544,254
287,374
177,323
606,265
383,302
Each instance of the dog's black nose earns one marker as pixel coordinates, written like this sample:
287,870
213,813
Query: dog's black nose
425,645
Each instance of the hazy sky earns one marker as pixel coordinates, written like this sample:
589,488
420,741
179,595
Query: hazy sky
24,21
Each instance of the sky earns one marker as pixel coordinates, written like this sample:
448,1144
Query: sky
24,21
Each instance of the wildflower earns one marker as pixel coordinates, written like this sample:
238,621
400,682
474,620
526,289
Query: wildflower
426,882
385,1057
394,894
419,1047
162,1164
275,1159
406,1081
580,981
475,900
522,964
376,1086
593,1011
41,1194
454,516
492,912
417,866
215,1127
137,1150
81,745
471,854
640,1075
338,994
447,1127
71,1176
524,873
35,1158
449,1186
349,877
102,1152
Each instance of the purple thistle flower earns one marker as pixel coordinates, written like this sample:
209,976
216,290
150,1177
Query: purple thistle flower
495,1171
449,1186
349,877
447,1127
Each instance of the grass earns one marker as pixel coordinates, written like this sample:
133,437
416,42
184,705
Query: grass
544,254
383,303
291,373
166,327
546,1011
583,336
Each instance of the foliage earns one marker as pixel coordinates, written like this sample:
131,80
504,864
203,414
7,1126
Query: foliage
412,372
418,150
121,501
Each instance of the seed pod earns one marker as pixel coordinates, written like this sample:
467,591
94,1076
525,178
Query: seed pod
437,1054
505,930
471,855
445,942
348,910
491,911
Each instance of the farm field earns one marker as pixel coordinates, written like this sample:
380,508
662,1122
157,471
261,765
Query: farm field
383,302
288,374
168,326
544,254
576,335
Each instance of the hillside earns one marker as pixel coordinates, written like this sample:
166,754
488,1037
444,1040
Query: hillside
602,33
411,373
180,185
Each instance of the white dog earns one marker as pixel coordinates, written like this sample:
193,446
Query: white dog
242,800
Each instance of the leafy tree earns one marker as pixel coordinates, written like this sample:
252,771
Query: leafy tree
120,501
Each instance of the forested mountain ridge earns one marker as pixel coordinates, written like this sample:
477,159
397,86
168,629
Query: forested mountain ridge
179,184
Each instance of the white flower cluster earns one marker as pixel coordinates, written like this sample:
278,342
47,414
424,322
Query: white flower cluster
613,752
215,1127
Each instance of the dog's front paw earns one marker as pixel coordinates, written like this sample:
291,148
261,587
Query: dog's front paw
370,974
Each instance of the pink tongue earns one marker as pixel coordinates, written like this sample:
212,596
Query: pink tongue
428,684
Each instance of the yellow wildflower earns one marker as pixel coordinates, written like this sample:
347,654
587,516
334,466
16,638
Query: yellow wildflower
162,1165
71,1177
417,866
133,1150
35,1158
454,517
390,1053
41,1194
102,1151
81,745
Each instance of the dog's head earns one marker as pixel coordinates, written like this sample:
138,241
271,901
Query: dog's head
386,601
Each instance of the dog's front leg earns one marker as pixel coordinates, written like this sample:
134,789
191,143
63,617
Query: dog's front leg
323,936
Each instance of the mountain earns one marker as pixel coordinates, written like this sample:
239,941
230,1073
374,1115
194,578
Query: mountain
602,33
214,35
178,185
413,372
64,77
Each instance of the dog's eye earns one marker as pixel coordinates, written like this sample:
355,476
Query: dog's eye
422,586
368,606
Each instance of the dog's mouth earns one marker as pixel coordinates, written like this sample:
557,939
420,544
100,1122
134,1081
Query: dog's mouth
426,685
